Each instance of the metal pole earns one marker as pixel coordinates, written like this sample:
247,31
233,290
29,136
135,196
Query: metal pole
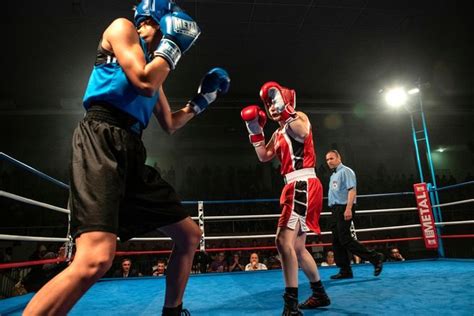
415,142
432,188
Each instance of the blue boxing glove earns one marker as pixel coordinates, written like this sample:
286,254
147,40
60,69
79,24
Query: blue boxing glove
179,33
215,82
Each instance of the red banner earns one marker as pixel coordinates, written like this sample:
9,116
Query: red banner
426,215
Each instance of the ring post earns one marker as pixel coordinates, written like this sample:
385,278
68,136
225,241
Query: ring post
437,218
202,242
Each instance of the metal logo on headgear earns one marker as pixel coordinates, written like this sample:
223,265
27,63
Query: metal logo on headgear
154,9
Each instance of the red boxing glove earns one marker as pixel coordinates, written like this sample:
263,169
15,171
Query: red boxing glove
282,98
255,119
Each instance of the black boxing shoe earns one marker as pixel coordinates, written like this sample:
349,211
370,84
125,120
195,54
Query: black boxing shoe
342,275
175,311
291,306
316,300
378,264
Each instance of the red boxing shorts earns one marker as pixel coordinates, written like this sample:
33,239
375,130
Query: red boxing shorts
301,201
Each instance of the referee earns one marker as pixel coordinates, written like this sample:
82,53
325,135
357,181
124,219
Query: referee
342,201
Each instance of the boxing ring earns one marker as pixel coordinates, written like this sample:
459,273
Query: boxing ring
429,286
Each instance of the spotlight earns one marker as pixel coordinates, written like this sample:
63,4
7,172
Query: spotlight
396,97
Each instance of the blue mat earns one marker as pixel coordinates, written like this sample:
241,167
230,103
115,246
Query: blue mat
436,287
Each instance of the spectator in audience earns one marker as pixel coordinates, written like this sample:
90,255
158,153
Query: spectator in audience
7,256
219,264
254,263
41,274
160,268
125,270
236,266
39,253
389,244
317,252
395,255
329,259
201,262
274,262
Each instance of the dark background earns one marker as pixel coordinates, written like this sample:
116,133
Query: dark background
338,55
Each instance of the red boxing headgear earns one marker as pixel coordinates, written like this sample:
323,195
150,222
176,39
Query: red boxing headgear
273,93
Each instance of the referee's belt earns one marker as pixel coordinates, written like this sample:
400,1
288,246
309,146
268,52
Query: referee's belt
106,112
300,175
335,206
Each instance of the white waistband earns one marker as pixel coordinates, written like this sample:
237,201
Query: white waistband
300,175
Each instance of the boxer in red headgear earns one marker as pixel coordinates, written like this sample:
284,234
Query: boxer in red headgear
301,198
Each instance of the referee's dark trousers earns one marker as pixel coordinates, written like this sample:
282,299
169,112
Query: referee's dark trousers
344,242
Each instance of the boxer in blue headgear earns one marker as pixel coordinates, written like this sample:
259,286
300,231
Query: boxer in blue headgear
112,192
154,9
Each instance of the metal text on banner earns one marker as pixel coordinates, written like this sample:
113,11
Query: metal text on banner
426,215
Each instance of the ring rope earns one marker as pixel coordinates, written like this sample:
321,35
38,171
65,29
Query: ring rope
66,211
454,203
30,263
32,238
33,170
33,202
453,186
61,184
69,240
155,252
312,234
455,223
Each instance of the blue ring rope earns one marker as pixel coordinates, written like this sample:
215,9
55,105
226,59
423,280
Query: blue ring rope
244,201
33,170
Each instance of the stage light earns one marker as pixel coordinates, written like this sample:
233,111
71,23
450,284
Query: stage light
396,97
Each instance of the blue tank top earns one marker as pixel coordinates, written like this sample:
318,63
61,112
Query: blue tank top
108,83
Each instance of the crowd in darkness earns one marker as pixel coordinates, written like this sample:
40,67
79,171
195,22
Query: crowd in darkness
227,183
265,181
216,183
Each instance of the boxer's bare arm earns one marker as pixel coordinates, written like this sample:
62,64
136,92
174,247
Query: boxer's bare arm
300,127
171,121
122,39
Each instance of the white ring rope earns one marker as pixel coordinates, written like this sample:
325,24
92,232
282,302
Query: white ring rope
33,202
322,214
387,228
149,238
455,203
385,210
63,210
242,216
31,238
26,238
261,216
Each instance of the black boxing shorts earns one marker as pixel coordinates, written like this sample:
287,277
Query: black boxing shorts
111,189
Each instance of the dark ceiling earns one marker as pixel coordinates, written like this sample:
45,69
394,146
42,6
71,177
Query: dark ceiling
330,51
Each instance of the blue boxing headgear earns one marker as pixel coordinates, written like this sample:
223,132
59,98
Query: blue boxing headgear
154,9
